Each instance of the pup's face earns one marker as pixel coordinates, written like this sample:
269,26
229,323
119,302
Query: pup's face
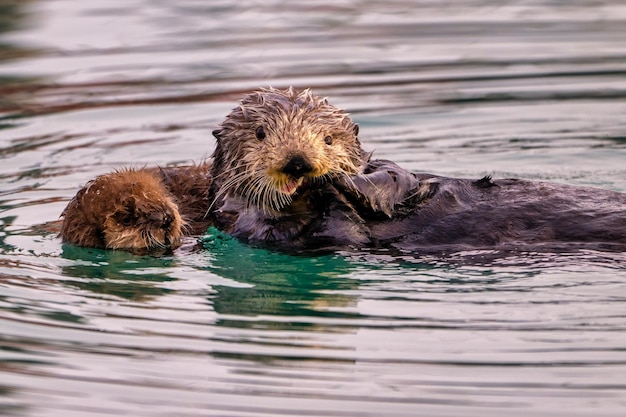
141,224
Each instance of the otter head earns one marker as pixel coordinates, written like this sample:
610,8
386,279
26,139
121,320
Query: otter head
129,210
277,141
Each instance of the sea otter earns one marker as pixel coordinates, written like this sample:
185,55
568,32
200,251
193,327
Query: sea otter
289,173
142,211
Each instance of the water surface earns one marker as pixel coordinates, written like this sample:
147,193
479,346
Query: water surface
534,90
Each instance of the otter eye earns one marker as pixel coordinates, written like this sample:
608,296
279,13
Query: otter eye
124,218
260,133
328,140
127,220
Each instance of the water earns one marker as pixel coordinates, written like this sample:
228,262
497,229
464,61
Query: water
532,89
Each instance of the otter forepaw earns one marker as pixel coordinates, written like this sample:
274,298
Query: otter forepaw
381,187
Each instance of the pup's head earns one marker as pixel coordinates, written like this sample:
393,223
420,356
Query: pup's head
127,209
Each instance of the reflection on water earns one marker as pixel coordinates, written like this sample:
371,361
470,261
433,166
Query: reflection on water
466,88
280,285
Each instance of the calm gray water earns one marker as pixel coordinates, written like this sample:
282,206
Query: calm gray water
531,89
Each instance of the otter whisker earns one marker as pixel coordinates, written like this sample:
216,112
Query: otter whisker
259,195
232,183
244,167
185,227
254,190
281,200
237,177
253,184
154,242
145,238
322,179
265,196
270,197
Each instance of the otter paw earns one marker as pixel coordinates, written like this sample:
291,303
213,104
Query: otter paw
381,187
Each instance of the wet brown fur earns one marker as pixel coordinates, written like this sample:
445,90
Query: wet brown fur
145,210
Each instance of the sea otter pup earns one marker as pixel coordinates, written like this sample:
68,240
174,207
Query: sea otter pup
289,172
134,210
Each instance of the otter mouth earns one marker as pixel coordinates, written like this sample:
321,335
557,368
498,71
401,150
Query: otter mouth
291,186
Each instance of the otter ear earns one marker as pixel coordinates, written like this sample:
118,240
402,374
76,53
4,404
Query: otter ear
128,202
124,212
355,129
217,133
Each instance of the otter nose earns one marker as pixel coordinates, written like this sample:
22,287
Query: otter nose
167,220
164,220
297,166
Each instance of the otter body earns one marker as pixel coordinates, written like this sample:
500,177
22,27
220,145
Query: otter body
289,172
431,214
451,215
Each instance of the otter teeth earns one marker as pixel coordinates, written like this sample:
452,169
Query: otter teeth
291,187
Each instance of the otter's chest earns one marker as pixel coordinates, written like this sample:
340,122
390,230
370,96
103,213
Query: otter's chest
314,220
